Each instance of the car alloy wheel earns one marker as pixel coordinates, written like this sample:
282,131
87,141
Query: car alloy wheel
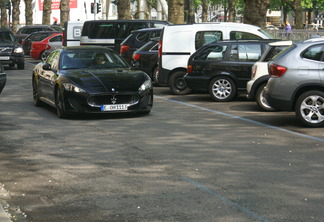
261,100
222,89
310,108
177,84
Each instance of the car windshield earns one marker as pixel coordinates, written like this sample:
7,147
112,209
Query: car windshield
6,37
91,58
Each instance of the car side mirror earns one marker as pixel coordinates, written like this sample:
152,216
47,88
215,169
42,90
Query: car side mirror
135,64
47,66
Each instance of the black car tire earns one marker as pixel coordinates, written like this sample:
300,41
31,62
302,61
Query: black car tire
21,65
43,56
309,108
60,104
261,100
177,84
222,89
37,101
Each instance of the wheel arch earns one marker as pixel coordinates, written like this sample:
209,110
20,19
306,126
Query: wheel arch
304,88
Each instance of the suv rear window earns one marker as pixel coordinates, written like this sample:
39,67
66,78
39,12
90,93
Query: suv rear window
314,53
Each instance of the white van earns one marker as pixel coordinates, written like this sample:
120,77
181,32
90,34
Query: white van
179,42
72,33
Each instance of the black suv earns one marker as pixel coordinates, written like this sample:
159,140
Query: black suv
11,52
223,68
136,40
24,31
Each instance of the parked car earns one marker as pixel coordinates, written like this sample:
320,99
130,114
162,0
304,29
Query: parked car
223,68
11,52
50,47
146,59
38,48
178,42
271,27
90,80
260,75
111,33
136,40
3,78
24,31
34,37
297,81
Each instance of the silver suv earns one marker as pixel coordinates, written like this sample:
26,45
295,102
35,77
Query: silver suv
297,81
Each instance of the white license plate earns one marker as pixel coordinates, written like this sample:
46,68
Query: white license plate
114,107
4,57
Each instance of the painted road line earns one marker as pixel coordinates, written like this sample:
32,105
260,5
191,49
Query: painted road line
244,119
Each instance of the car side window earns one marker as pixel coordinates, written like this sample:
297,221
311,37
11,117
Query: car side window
215,53
314,53
52,59
204,37
235,35
246,52
57,38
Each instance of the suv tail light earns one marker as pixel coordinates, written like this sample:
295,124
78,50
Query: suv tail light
136,56
189,69
160,49
124,48
276,70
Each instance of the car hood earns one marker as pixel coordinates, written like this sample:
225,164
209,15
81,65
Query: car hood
98,80
9,44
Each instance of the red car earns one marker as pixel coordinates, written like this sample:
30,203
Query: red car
38,48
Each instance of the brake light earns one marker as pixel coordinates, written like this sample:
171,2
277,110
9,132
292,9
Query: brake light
189,69
160,49
136,56
123,49
276,70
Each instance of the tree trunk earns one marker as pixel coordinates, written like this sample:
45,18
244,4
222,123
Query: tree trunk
176,11
189,12
255,12
123,9
15,15
4,16
204,13
298,9
28,12
231,10
65,11
47,12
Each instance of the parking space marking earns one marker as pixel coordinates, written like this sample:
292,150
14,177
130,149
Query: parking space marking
225,200
244,119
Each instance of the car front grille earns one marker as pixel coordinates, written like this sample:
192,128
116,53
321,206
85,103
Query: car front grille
5,50
112,99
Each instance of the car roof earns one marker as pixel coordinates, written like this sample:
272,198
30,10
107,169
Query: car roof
3,29
147,30
281,43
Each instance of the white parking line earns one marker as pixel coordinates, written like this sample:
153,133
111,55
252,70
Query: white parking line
244,119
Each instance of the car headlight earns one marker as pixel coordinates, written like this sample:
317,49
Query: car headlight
19,50
72,88
145,86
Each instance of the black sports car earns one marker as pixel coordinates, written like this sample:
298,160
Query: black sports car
90,80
